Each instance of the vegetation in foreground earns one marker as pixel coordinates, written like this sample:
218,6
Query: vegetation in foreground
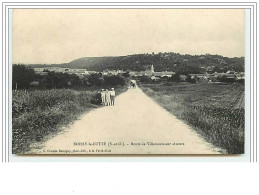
42,110
41,113
215,111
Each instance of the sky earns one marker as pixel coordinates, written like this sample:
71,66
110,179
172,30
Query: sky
47,36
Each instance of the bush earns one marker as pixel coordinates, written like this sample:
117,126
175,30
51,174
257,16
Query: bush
96,80
175,78
22,76
189,79
38,113
144,79
226,79
114,80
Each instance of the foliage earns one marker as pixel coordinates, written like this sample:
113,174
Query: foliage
144,79
60,80
189,79
209,108
23,76
39,113
175,77
96,79
126,74
114,80
225,79
169,61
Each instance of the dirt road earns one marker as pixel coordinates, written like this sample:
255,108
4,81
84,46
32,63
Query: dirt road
135,125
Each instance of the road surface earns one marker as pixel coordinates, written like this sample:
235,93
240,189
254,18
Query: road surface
135,125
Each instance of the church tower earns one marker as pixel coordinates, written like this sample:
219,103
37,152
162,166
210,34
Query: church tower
152,69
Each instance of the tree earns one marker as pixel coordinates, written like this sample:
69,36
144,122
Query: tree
126,74
189,79
175,77
225,79
22,76
144,79
96,80
114,80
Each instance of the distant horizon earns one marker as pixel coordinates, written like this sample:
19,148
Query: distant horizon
121,56
55,36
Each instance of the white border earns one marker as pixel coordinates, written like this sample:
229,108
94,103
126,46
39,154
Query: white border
250,49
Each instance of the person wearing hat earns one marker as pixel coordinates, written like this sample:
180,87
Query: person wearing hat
112,92
103,96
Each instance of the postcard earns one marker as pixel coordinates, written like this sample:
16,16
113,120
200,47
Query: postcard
128,81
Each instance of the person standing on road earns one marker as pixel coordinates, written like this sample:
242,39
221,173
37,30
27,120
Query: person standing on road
107,97
103,96
112,92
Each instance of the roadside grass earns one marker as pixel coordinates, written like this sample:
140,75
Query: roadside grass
209,108
37,114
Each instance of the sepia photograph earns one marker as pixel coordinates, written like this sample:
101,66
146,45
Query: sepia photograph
128,81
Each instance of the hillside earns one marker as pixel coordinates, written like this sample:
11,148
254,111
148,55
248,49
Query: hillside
161,61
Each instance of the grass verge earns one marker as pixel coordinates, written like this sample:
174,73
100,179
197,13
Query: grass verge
209,108
37,114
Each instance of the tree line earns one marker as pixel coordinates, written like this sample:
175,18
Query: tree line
25,78
186,77
168,61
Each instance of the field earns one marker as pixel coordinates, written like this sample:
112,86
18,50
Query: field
215,111
37,114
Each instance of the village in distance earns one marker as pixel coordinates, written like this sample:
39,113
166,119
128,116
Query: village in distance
204,91
156,67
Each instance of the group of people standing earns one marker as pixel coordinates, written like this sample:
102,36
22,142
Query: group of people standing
108,97
132,84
